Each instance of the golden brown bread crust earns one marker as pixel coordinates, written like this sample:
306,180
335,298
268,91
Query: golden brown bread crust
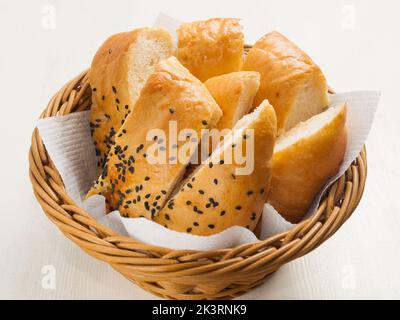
301,169
212,47
234,92
285,70
113,93
129,181
215,198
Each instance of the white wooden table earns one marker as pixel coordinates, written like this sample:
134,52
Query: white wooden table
45,43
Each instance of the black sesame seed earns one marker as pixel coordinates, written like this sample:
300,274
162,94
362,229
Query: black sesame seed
233,176
211,226
167,216
103,97
210,165
163,192
221,162
153,212
208,205
171,110
188,202
201,191
146,205
147,196
245,136
190,185
109,51
222,213
196,224
146,178
249,193
128,191
113,88
117,100
204,122
262,190
238,207
126,107
158,197
188,230
215,181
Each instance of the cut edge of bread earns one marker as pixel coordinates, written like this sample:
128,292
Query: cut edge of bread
311,99
309,127
150,48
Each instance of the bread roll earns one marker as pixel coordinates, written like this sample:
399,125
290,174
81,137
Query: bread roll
290,80
215,197
304,159
118,72
234,92
212,47
131,180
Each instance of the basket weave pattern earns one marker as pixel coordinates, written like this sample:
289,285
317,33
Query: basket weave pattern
183,274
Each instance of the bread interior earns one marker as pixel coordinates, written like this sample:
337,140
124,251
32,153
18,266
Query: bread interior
311,100
245,103
144,56
307,128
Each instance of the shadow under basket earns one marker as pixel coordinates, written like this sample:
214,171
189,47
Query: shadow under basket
183,274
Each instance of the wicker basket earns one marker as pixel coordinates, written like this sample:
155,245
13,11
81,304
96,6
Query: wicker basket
183,274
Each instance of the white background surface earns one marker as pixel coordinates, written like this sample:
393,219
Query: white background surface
356,43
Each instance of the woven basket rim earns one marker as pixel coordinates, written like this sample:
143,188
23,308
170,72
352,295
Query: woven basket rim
182,274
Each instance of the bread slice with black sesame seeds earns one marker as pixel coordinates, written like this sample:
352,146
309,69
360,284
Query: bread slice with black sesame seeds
217,195
134,180
118,72
304,159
